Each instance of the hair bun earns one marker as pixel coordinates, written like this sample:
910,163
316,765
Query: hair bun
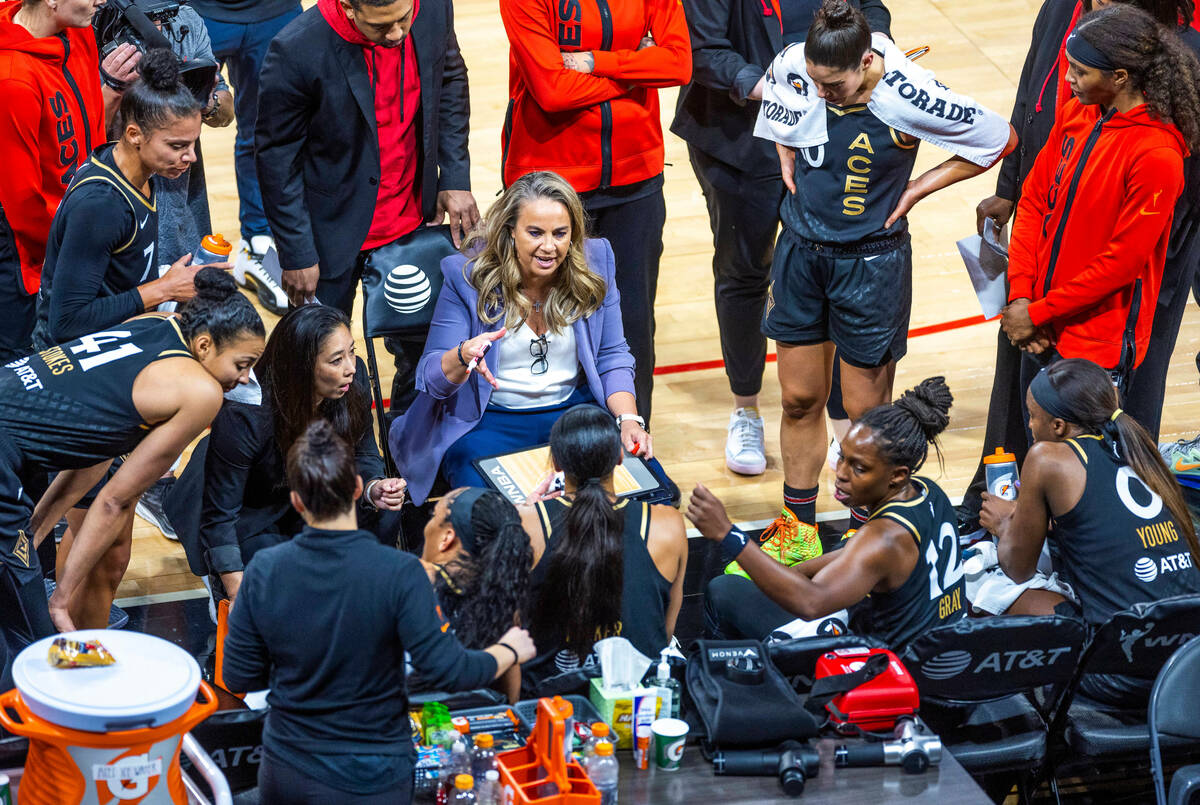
929,404
214,284
838,14
159,69
320,436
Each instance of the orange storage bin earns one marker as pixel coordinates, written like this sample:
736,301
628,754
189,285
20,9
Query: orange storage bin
541,772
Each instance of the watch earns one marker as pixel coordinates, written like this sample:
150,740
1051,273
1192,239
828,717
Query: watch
622,418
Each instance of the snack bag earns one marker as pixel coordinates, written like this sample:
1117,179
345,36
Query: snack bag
67,653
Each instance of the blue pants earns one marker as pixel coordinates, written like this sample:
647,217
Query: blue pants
500,431
241,47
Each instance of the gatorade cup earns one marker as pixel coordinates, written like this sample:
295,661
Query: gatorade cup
669,737
1000,470
213,249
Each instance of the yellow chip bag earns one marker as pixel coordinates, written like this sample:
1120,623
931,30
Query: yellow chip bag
66,653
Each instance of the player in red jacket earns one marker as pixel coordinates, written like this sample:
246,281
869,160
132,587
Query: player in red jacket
52,117
1091,229
583,89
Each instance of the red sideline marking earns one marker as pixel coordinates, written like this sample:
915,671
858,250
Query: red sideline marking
942,327
697,366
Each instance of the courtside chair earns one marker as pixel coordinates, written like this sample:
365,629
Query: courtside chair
400,282
975,676
1135,642
1175,710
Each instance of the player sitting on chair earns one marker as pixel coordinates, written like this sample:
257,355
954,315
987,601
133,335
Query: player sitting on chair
900,573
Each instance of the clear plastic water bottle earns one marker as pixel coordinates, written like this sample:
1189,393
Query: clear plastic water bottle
600,734
458,765
484,757
464,790
488,791
213,249
604,770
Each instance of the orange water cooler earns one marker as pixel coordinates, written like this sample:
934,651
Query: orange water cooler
107,735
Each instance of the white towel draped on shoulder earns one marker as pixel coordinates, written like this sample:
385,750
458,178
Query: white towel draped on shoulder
908,98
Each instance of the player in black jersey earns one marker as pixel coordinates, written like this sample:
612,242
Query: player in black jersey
899,574
146,387
847,111
101,260
1096,487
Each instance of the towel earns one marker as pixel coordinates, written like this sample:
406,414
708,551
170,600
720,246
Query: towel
990,590
908,98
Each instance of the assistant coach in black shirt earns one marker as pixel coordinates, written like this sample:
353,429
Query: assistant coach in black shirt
733,43
342,154
326,620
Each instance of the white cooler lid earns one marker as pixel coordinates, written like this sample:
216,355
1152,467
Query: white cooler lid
151,683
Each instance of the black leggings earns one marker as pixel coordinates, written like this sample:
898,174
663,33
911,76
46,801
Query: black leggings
280,784
734,608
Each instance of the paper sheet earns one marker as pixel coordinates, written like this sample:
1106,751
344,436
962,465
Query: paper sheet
986,259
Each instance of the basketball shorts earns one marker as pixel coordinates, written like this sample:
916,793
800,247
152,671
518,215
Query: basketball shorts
859,301
17,556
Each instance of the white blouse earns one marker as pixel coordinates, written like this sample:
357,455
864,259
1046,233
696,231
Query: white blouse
511,361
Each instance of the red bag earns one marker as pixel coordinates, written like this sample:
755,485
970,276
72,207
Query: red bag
864,689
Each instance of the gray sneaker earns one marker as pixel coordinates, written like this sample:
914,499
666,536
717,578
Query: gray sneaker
150,507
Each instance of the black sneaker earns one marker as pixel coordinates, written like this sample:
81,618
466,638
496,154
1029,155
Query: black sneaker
117,617
150,507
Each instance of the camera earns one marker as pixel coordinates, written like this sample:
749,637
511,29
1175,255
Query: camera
120,22
913,747
793,762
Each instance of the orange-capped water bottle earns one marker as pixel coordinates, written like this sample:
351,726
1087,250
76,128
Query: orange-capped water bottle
213,249
1000,471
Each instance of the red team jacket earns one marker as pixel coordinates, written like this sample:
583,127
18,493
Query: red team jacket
600,129
1093,220
51,117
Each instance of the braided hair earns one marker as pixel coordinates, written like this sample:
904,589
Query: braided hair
219,309
905,428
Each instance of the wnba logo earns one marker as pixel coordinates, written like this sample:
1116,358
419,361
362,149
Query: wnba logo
407,289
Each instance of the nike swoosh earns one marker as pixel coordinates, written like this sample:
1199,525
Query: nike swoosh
1150,212
142,225
872,257
1181,467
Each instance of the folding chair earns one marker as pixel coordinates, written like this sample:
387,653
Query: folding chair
400,282
1137,643
975,675
1175,710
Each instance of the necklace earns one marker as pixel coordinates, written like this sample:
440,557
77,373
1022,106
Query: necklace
537,307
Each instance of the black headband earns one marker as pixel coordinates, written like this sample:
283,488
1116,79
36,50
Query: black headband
1087,54
1048,397
460,516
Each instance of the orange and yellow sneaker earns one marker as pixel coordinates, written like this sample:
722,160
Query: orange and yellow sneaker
788,541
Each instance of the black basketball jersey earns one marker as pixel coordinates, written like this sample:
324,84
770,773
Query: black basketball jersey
644,596
71,406
101,201
1119,545
933,593
847,188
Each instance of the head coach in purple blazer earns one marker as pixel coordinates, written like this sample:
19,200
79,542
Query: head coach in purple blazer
538,307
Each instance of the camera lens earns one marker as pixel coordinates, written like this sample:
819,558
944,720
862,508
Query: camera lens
792,781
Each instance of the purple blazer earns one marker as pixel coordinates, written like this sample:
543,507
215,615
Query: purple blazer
443,411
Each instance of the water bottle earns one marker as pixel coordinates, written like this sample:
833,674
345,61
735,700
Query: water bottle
600,734
668,688
488,792
464,790
603,770
458,765
213,249
1000,470
484,759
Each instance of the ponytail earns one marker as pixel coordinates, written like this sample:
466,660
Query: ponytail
588,561
1159,64
838,37
219,310
485,586
1087,392
159,95
908,426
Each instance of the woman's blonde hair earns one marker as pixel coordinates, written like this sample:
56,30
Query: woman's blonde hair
577,291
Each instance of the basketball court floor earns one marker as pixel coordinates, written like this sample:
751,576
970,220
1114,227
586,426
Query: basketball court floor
977,47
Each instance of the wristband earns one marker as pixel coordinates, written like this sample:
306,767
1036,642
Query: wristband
367,493
460,357
516,657
115,84
732,544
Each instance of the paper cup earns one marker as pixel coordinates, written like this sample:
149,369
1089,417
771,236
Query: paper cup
669,737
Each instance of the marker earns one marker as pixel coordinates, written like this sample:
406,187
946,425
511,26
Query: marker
475,361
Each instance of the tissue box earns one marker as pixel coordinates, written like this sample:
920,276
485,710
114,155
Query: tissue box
616,708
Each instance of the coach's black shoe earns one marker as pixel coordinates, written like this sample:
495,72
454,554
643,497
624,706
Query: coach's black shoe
150,507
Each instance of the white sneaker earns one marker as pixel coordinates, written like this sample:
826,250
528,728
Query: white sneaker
834,453
745,447
248,272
